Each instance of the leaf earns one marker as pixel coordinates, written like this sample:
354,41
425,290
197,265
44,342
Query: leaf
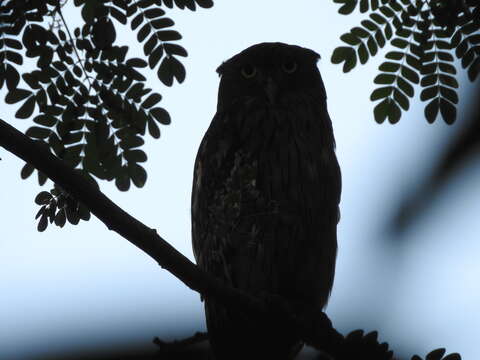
154,13
12,77
347,7
445,67
137,21
26,109
161,115
436,354
394,113
135,156
370,25
43,198
17,95
379,19
362,54
144,32
448,111
153,128
449,94
155,57
38,132
453,356
40,212
429,80
171,68
474,69
72,214
122,182
405,86
83,212
448,80
152,100
131,142
150,45
401,99
372,46
138,175
175,49
387,108
136,62
169,35
388,66
364,6
395,55
385,79
431,110
381,111
162,23
60,218
346,55
360,32
45,120
27,170
410,74
380,39
429,93
350,39
381,93
43,223
119,16
42,178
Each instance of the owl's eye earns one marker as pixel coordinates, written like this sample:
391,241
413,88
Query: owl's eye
289,67
248,71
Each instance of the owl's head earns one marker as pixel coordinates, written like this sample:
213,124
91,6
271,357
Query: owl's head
269,73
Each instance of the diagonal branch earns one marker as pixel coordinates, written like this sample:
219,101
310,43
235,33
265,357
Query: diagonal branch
313,327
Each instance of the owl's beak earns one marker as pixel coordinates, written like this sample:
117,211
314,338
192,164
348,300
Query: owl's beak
271,90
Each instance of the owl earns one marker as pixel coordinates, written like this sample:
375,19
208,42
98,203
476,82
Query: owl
266,193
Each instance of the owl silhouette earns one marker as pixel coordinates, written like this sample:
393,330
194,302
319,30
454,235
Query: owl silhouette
266,193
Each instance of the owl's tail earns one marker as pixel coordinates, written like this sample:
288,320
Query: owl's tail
234,336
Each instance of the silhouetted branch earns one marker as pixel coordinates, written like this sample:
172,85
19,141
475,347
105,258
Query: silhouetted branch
313,327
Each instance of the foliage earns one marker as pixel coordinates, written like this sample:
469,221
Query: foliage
360,345
426,37
93,109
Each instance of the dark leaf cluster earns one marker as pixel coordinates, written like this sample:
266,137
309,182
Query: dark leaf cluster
438,354
426,37
87,98
57,206
360,345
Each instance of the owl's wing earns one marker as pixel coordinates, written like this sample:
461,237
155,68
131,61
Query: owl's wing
225,204
212,165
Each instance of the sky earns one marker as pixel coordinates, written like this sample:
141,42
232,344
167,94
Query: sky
84,286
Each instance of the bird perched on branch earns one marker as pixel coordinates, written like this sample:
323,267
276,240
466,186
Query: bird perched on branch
265,197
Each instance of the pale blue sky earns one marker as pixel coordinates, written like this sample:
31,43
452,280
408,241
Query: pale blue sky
66,288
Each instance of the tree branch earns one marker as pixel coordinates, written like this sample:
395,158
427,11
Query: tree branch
313,327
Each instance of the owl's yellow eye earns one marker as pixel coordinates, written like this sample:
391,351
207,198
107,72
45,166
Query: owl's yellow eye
289,67
248,71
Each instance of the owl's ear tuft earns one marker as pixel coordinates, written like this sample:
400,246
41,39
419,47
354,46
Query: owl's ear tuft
316,56
221,69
